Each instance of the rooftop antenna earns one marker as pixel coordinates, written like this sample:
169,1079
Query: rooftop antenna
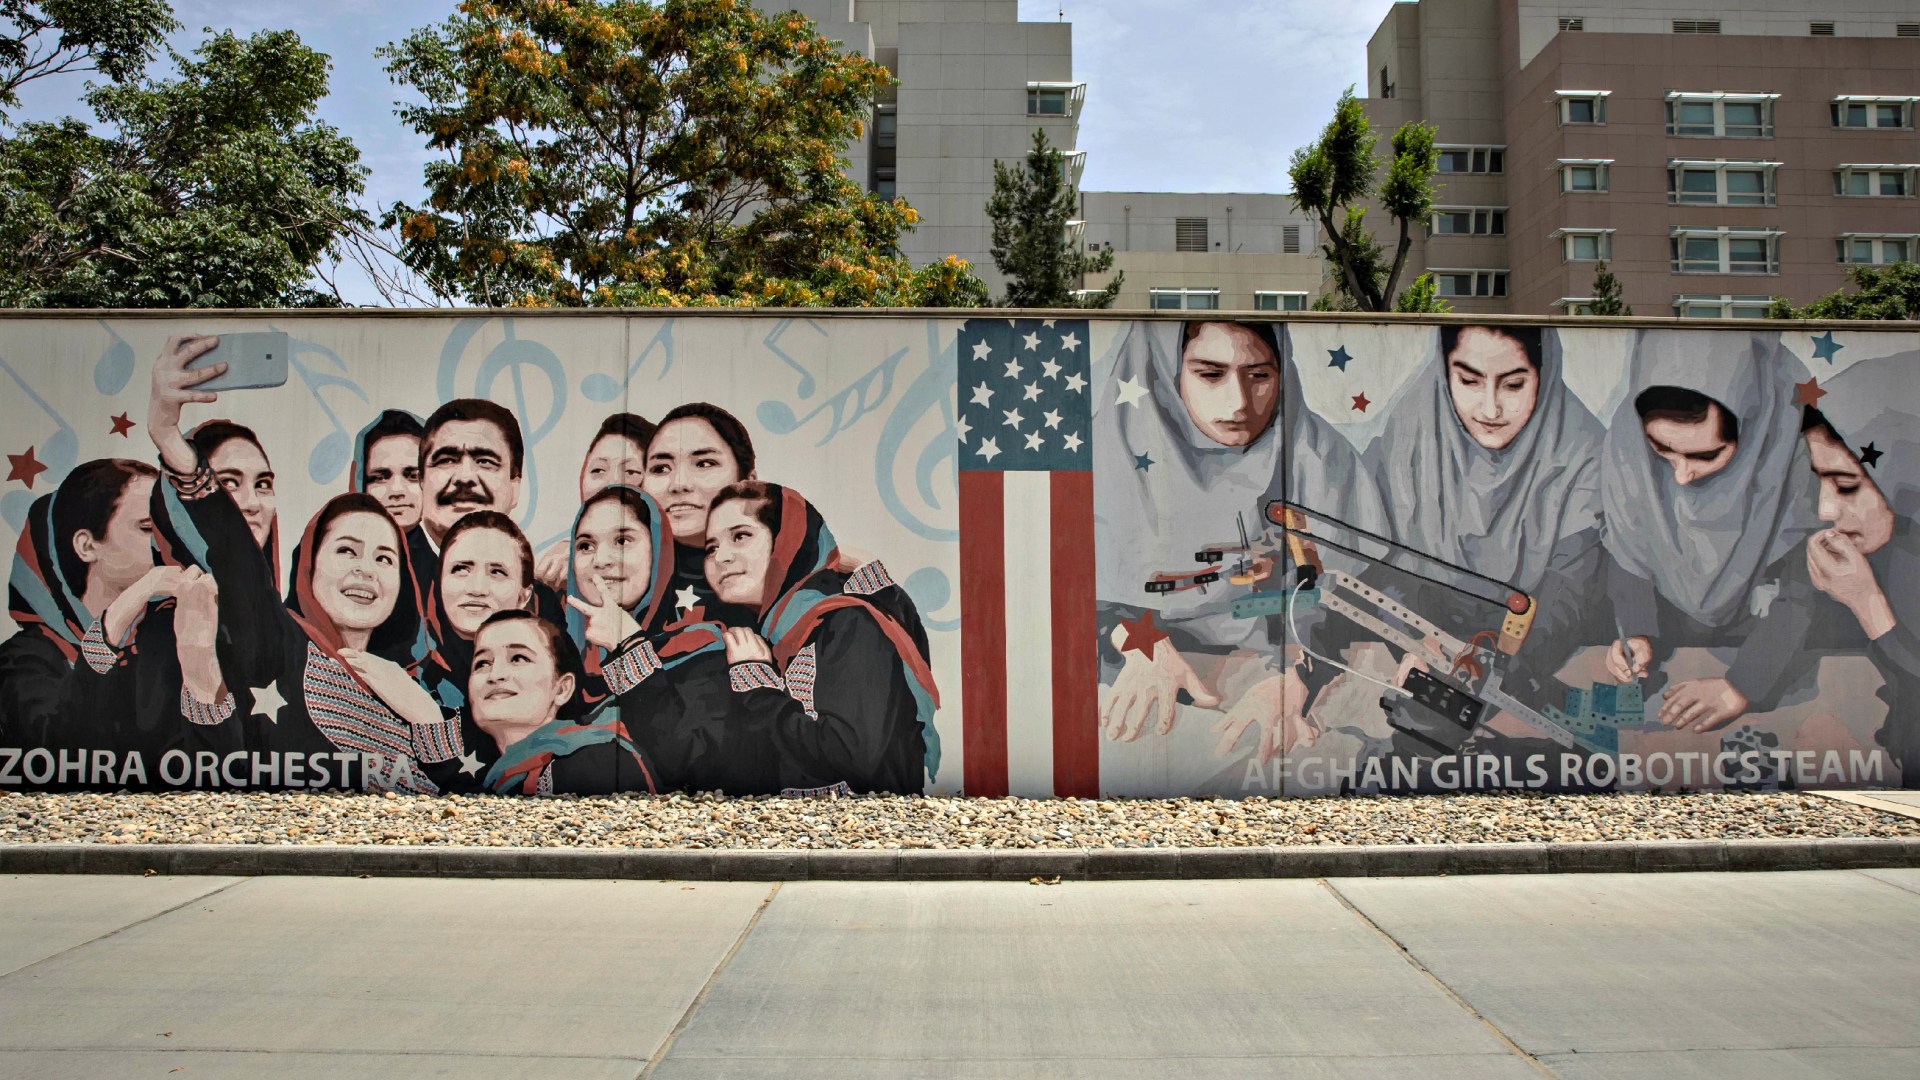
1063,13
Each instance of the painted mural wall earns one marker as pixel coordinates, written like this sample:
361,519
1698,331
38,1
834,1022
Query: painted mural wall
759,554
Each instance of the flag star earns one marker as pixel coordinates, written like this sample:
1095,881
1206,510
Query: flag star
982,395
1052,418
963,428
1130,391
267,701
1033,440
982,350
1070,342
1075,383
1032,392
470,763
1013,418
1048,323
1050,370
1073,442
1033,341
987,450
684,598
1013,368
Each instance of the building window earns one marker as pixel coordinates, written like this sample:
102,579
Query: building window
1190,234
1726,250
1721,182
1279,301
1582,106
1906,29
1584,175
1696,26
1573,24
1468,221
1586,245
1874,181
1467,283
1820,29
1872,249
1575,305
1720,116
1055,98
1184,299
886,130
883,185
1721,307
1472,159
1868,112
1386,84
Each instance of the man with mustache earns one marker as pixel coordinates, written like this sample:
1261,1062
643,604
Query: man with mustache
471,458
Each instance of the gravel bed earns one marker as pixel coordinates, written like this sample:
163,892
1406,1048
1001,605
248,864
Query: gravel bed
709,822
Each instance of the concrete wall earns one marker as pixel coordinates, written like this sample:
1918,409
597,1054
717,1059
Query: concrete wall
1038,555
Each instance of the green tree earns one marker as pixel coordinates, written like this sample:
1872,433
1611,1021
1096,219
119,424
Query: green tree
1031,205
43,38
649,153
1422,296
1606,292
1889,292
1337,172
217,188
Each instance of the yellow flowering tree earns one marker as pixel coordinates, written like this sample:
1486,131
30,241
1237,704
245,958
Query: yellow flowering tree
649,152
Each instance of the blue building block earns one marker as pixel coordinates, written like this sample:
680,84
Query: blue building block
1630,702
1604,699
1576,701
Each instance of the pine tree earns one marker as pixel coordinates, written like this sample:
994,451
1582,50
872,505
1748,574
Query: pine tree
1031,205
1606,293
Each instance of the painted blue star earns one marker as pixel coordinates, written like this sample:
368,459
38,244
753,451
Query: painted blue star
1870,455
1824,347
1340,358
1142,462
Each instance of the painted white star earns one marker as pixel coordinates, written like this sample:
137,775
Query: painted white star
1131,391
267,701
1074,441
982,350
470,763
1013,368
1013,418
1033,341
1033,441
1048,323
1032,392
1070,342
982,395
987,450
1075,383
963,428
684,598
1052,418
1050,370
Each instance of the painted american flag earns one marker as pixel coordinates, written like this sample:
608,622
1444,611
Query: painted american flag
1026,558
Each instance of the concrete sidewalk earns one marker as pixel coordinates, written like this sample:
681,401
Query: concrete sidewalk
1807,974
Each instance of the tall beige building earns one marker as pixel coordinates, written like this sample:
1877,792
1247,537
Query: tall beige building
1714,154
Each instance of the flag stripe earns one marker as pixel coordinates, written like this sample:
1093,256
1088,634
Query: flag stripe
1030,640
983,627
1076,648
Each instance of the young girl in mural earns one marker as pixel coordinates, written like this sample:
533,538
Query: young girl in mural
1864,450
84,587
1222,429
697,450
835,677
1707,496
617,455
317,667
1490,463
669,686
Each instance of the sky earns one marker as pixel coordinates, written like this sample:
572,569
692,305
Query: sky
1182,95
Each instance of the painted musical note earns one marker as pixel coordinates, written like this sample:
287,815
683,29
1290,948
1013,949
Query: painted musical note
331,455
511,358
114,369
864,395
602,387
805,387
58,452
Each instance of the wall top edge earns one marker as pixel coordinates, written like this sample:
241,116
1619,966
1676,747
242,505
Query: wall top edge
1140,314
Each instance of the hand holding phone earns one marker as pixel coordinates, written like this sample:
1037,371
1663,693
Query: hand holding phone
254,359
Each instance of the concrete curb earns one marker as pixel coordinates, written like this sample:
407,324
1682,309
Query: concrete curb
1102,864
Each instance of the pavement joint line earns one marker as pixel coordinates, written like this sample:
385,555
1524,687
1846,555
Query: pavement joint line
120,929
1406,954
965,864
706,988
1908,889
1867,799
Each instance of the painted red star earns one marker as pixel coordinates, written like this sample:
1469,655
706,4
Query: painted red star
121,425
1808,393
1360,403
1142,635
24,467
